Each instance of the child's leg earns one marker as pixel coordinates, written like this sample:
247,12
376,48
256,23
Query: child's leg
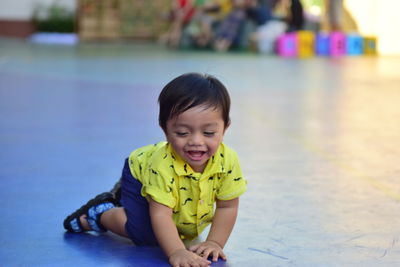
138,224
115,220
104,212
90,213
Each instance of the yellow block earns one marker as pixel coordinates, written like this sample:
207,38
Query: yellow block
370,45
306,43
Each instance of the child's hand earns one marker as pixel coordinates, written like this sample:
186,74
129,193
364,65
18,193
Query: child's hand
208,248
186,258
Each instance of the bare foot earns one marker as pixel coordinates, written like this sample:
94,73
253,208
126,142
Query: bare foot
84,223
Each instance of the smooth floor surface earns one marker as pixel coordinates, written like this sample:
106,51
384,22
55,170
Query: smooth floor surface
319,142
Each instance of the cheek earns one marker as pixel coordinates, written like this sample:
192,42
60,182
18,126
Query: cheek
176,143
215,143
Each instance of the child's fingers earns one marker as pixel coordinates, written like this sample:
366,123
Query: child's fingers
222,255
206,253
204,262
194,248
189,259
214,255
199,250
218,254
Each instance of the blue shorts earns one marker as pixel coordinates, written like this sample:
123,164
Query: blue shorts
138,225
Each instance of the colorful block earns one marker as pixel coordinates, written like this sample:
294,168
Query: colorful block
370,45
322,44
354,44
337,44
287,45
305,44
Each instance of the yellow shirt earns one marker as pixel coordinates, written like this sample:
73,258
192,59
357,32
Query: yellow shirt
167,179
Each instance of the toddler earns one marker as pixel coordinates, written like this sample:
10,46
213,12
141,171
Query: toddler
172,190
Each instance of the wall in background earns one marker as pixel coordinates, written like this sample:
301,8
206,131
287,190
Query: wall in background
16,16
23,9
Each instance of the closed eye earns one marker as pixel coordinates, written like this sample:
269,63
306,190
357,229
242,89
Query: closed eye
209,133
181,134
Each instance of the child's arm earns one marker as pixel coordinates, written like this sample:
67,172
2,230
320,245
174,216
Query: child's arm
168,238
221,228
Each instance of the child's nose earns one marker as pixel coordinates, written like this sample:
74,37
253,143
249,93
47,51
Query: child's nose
196,140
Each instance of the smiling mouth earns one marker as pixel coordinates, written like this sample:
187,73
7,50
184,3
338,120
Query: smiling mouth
195,155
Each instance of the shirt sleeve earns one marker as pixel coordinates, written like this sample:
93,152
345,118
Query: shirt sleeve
233,183
158,189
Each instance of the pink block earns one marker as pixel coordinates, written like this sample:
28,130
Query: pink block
287,45
337,44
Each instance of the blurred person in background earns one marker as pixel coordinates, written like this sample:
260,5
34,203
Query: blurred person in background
337,17
290,11
335,14
229,29
268,26
181,14
209,14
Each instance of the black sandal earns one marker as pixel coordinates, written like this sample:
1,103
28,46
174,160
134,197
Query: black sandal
116,191
73,224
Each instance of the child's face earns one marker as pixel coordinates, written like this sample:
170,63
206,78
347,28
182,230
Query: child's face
196,134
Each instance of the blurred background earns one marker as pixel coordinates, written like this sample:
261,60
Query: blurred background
199,24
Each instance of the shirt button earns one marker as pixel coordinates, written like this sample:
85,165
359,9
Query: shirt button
201,201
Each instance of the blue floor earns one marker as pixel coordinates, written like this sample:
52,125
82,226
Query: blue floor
319,142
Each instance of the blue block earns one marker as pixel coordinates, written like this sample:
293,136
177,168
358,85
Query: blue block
354,45
322,44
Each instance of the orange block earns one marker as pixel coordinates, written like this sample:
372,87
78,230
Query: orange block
370,45
306,44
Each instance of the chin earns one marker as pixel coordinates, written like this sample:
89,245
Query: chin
197,165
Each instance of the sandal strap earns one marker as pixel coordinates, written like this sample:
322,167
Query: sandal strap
76,225
94,215
116,191
106,197
73,223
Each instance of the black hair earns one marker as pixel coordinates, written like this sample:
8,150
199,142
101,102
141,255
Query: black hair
190,90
